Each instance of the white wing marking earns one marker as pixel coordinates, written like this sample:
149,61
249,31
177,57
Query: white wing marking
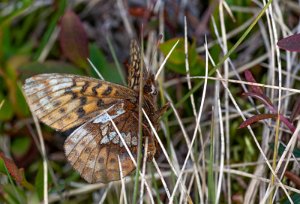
105,117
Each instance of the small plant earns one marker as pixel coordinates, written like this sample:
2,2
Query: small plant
257,93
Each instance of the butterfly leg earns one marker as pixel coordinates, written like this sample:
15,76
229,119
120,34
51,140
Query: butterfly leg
162,110
151,148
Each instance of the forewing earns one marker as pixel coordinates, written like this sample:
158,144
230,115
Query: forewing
93,149
65,101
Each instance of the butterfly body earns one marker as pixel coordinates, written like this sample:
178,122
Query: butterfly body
95,107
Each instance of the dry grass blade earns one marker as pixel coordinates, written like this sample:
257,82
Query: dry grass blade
253,135
164,150
193,108
143,172
162,178
102,200
194,135
123,187
188,142
219,185
95,69
132,158
286,155
44,156
165,60
198,152
248,83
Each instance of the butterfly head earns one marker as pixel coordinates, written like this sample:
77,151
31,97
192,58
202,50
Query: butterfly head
149,86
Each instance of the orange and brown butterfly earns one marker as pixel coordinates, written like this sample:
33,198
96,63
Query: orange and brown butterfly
94,148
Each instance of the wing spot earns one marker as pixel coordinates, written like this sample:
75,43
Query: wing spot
79,161
80,112
87,150
62,110
100,103
125,166
101,160
94,89
83,100
84,87
57,103
107,91
112,160
117,93
74,95
69,91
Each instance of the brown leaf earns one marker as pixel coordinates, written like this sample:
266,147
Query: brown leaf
138,11
73,39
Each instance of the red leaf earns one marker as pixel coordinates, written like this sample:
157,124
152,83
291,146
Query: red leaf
73,39
256,89
265,100
291,43
296,110
294,178
256,118
12,168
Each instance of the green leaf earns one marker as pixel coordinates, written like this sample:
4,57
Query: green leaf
17,11
6,111
281,149
13,195
108,71
21,106
2,167
294,196
39,181
51,26
34,68
20,145
176,61
15,94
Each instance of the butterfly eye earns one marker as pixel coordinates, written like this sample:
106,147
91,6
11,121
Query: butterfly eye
153,90
150,89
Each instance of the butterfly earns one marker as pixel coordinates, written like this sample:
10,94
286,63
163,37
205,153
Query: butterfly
91,106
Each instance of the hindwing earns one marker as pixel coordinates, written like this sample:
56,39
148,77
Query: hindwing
95,147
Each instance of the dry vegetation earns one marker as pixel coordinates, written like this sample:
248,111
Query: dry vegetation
199,52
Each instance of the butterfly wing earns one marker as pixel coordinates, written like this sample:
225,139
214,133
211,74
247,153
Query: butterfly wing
65,101
94,149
